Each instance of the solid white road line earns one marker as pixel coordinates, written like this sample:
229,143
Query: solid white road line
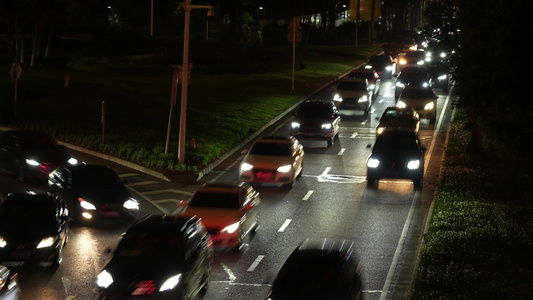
284,226
306,197
255,263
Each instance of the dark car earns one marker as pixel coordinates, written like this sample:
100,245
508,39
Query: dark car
33,227
423,100
319,269
9,284
413,76
159,257
396,154
382,64
93,192
394,118
316,119
439,73
30,154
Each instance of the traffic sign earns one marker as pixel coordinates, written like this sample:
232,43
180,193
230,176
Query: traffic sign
294,36
15,70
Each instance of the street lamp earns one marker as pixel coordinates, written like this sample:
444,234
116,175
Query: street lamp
185,75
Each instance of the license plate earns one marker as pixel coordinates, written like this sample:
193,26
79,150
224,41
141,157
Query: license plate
111,214
20,254
264,175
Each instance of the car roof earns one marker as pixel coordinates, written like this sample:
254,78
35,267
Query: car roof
325,246
397,132
275,139
29,196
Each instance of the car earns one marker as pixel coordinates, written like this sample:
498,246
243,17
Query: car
374,83
273,159
9,284
439,74
410,58
353,95
396,154
423,100
33,228
229,210
413,76
159,257
382,64
31,154
316,119
398,118
92,192
319,269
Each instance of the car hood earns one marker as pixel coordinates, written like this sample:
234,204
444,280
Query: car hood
416,101
27,232
397,124
396,154
352,93
128,270
214,218
101,193
267,161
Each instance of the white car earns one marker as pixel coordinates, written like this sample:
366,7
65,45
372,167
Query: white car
229,211
353,95
277,160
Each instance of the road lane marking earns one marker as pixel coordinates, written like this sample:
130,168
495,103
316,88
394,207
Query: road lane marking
306,197
353,135
168,191
231,276
227,168
143,183
342,151
325,171
285,225
255,263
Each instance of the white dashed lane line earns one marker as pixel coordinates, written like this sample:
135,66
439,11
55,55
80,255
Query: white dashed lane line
255,263
306,197
285,225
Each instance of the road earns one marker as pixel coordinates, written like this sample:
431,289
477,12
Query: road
330,200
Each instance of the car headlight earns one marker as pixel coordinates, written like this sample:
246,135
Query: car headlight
337,97
72,161
295,125
86,205
131,203
3,242
368,67
442,77
32,162
170,283
400,84
413,164
231,228
420,62
380,130
326,126
363,99
388,68
429,106
46,242
400,103
425,84
372,163
284,169
246,166
104,279
403,62
443,55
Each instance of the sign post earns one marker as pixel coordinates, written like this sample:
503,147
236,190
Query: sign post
15,72
294,36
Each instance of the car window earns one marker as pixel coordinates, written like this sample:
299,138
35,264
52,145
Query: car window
96,176
351,86
215,200
19,212
314,111
274,149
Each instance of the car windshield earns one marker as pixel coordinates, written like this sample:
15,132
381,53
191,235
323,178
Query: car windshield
314,111
150,244
34,141
380,59
215,200
365,75
351,86
309,272
96,176
19,212
275,149
396,141
414,72
417,93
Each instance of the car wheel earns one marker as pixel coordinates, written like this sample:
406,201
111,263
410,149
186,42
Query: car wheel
205,281
290,185
370,181
331,140
417,184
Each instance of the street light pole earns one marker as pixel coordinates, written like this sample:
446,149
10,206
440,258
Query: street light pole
185,76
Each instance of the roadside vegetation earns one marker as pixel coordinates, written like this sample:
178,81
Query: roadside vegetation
478,244
233,92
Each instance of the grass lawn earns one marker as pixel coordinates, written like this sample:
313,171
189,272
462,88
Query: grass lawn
234,91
